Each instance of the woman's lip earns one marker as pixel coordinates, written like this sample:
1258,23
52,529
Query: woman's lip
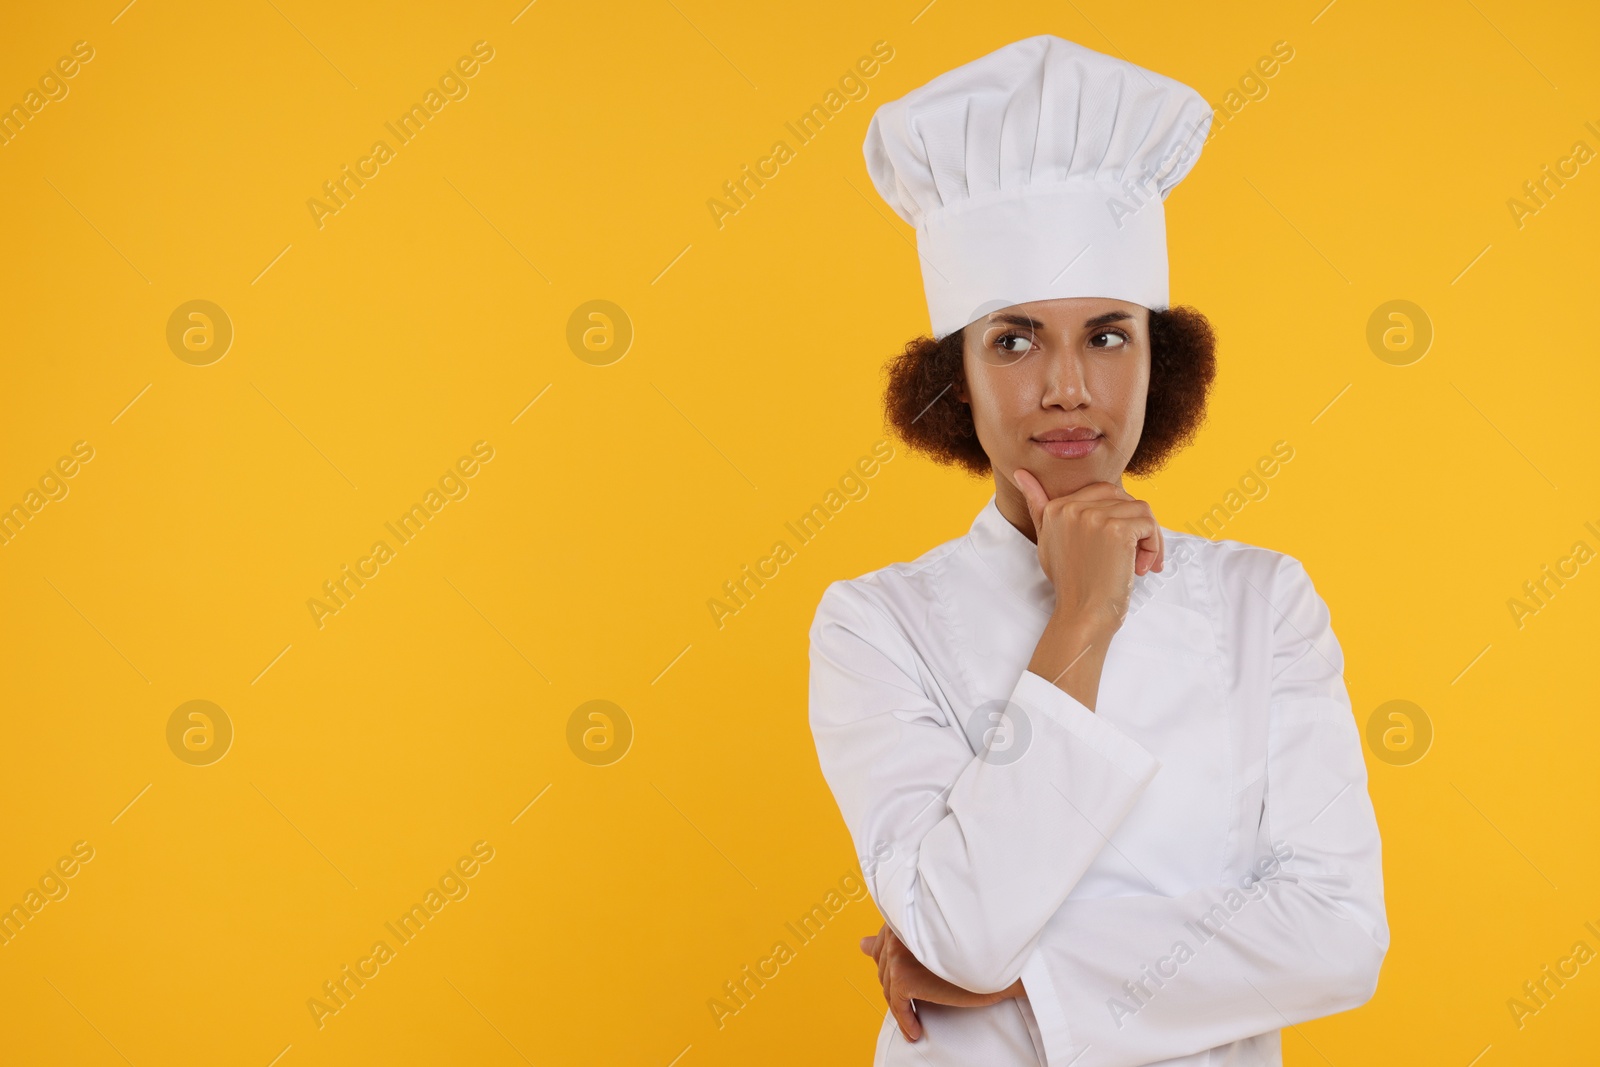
1069,449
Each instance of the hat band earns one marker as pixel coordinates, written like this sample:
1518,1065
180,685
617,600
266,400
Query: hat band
1073,239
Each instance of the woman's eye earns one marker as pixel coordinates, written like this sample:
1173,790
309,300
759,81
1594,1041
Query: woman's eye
1015,344
1108,339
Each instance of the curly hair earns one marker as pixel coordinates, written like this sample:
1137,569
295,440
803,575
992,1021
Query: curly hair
921,406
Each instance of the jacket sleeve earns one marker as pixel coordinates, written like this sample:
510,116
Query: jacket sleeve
1136,980
969,855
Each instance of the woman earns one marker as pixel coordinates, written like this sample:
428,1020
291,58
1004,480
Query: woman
1107,772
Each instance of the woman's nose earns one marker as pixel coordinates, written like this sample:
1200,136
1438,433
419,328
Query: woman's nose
1064,382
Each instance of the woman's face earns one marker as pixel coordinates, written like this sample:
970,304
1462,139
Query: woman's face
1058,387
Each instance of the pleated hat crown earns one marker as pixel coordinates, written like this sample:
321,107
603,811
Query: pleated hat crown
1036,172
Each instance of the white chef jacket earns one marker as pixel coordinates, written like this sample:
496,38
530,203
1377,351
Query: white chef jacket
1215,799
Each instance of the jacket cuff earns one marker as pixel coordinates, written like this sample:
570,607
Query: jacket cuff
1042,697
1048,1013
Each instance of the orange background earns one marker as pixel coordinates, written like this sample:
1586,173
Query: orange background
431,312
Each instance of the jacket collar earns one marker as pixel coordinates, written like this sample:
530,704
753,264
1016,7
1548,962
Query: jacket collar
1011,558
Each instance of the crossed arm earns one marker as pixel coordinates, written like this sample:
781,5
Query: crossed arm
986,856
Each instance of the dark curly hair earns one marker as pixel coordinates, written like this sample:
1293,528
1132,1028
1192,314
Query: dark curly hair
921,405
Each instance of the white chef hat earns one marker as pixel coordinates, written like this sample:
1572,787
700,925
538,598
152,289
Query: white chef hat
1037,171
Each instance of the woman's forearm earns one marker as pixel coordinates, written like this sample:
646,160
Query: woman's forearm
1071,654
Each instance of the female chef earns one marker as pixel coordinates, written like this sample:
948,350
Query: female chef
1107,772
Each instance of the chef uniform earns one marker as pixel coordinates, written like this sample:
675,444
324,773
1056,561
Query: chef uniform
1195,863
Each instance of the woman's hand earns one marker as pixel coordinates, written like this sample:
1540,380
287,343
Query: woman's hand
905,979
1091,545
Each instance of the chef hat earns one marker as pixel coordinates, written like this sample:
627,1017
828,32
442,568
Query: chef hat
1037,171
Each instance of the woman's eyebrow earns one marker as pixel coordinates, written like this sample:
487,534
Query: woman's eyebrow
1108,317
1016,319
